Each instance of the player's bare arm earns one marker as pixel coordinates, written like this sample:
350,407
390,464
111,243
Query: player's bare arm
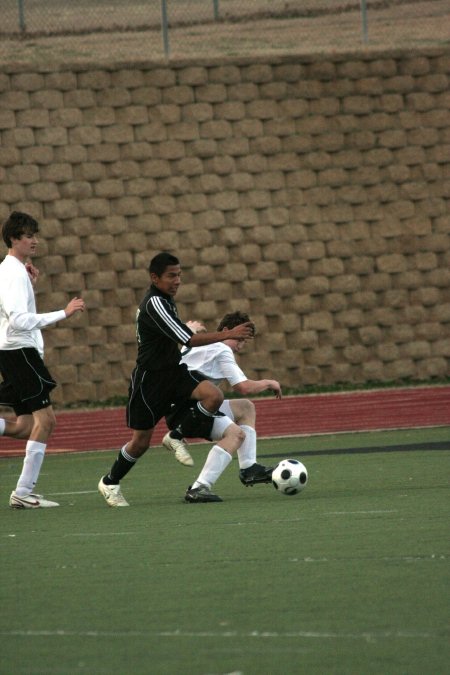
75,305
248,387
244,331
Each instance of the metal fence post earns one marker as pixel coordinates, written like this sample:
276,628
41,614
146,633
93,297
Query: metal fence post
364,20
216,9
165,28
21,6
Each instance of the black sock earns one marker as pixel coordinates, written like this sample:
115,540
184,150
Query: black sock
119,469
176,433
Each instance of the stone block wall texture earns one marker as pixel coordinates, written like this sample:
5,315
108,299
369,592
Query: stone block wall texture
311,192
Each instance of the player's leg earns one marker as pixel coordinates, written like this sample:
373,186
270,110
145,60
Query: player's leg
44,421
174,440
208,396
22,425
109,485
196,418
24,496
19,428
199,419
229,437
43,425
142,415
244,413
31,383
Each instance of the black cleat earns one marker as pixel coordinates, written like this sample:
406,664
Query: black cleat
200,494
256,473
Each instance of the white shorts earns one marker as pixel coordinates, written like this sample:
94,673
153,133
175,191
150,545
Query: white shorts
221,424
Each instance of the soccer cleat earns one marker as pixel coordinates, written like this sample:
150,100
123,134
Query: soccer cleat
112,494
256,473
200,494
179,448
31,501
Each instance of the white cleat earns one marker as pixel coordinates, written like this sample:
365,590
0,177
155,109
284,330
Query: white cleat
112,494
179,448
30,501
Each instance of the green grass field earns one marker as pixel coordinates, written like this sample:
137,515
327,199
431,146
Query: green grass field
350,577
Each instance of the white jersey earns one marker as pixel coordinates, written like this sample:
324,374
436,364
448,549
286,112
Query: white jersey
19,324
216,362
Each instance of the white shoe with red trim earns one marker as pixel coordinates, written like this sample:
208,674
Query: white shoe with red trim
31,501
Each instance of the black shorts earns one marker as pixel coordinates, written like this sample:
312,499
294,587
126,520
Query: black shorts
152,392
26,382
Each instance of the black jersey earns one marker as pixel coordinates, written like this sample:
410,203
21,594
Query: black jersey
159,331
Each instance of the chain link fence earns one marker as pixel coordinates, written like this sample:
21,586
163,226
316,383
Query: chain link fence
61,29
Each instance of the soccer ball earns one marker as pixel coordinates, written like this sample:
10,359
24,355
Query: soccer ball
289,477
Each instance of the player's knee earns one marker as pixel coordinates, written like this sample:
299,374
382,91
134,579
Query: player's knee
213,401
248,407
244,411
236,433
241,435
22,428
51,418
45,426
217,398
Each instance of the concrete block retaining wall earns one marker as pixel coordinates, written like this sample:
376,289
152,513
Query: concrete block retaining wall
311,192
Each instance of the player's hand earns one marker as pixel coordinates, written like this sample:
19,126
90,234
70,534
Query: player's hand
245,331
75,305
196,326
33,272
275,387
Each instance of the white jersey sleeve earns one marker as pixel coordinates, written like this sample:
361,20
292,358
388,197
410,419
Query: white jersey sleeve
19,323
27,321
216,362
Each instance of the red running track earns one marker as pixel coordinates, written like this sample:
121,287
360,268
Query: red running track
294,415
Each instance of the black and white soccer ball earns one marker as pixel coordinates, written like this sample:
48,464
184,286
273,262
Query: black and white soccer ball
289,477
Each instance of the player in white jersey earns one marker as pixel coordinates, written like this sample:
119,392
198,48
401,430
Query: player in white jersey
26,382
217,363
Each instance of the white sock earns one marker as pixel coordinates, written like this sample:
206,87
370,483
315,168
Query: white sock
247,451
216,463
2,426
34,456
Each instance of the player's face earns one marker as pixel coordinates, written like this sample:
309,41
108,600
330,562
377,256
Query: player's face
25,247
169,280
236,345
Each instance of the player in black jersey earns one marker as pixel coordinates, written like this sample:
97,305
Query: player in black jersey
159,379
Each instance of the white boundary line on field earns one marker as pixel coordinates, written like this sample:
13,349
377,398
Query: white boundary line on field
357,513
365,635
98,534
81,492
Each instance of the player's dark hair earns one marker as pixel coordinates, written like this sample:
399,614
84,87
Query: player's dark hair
234,319
18,224
159,263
